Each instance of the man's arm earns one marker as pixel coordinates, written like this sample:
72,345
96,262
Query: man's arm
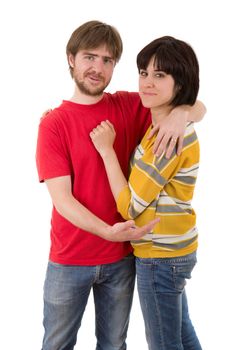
171,129
71,209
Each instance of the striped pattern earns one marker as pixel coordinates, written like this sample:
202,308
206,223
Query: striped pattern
161,187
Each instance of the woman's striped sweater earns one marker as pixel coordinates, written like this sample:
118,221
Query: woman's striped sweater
160,187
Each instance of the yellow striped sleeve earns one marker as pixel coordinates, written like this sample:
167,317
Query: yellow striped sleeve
144,186
123,203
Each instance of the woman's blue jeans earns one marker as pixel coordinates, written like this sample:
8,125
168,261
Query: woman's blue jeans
161,288
66,293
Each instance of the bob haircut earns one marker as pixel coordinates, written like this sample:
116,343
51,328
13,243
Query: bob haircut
177,58
93,34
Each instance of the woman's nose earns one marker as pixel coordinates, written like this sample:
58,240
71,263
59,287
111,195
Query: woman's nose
149,81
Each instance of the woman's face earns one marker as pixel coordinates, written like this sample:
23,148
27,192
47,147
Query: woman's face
156,88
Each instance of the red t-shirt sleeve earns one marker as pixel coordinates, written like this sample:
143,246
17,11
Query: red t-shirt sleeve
51,154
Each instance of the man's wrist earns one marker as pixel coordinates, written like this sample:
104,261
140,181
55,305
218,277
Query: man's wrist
105,232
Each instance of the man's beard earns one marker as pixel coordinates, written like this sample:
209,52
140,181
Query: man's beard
87,91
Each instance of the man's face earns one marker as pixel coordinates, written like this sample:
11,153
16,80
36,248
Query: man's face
92,70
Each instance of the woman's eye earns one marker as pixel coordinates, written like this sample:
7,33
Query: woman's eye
159,75
143,73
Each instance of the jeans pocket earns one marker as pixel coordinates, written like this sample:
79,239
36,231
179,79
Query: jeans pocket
181,273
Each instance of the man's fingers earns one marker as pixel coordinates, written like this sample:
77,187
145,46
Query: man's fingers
127,231
148,227
139,232
129,224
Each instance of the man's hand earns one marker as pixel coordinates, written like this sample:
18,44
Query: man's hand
126,231
170,133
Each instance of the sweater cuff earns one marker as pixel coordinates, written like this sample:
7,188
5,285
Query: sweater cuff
123,203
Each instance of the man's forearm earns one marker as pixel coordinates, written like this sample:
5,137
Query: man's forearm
71,209
80,216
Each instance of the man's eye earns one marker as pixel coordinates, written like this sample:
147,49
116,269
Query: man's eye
107,60
89,58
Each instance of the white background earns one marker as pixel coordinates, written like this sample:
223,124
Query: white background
33,77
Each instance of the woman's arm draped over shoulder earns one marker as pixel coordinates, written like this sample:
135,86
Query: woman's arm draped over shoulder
171,129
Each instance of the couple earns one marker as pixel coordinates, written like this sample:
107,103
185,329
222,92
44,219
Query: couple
89,240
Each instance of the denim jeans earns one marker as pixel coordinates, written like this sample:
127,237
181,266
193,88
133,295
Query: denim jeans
161,288
66,293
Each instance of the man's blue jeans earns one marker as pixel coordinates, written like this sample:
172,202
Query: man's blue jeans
66,293
161,288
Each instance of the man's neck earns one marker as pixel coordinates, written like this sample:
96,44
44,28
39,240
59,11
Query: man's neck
80,98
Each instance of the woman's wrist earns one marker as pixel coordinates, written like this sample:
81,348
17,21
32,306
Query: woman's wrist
182,112
107,153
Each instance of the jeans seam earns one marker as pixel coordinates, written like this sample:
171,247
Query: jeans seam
160,325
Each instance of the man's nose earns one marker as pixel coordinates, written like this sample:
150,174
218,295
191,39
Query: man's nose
98,65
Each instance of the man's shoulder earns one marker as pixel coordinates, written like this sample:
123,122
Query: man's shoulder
53,116
123,97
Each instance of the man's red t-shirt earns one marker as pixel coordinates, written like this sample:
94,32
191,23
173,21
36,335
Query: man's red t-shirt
64,148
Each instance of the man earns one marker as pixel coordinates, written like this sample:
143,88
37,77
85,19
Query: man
89,241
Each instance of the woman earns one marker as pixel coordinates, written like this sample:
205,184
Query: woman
161,188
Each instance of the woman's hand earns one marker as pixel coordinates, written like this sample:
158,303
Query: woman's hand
171,129
45,113
103,137
170,132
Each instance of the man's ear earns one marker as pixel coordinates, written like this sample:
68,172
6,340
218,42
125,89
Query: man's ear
71,60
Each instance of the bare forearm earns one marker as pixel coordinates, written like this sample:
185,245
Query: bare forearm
196,112
115,175
71,209
79,216
103,137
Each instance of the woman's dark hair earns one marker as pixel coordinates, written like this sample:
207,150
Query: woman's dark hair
177,58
